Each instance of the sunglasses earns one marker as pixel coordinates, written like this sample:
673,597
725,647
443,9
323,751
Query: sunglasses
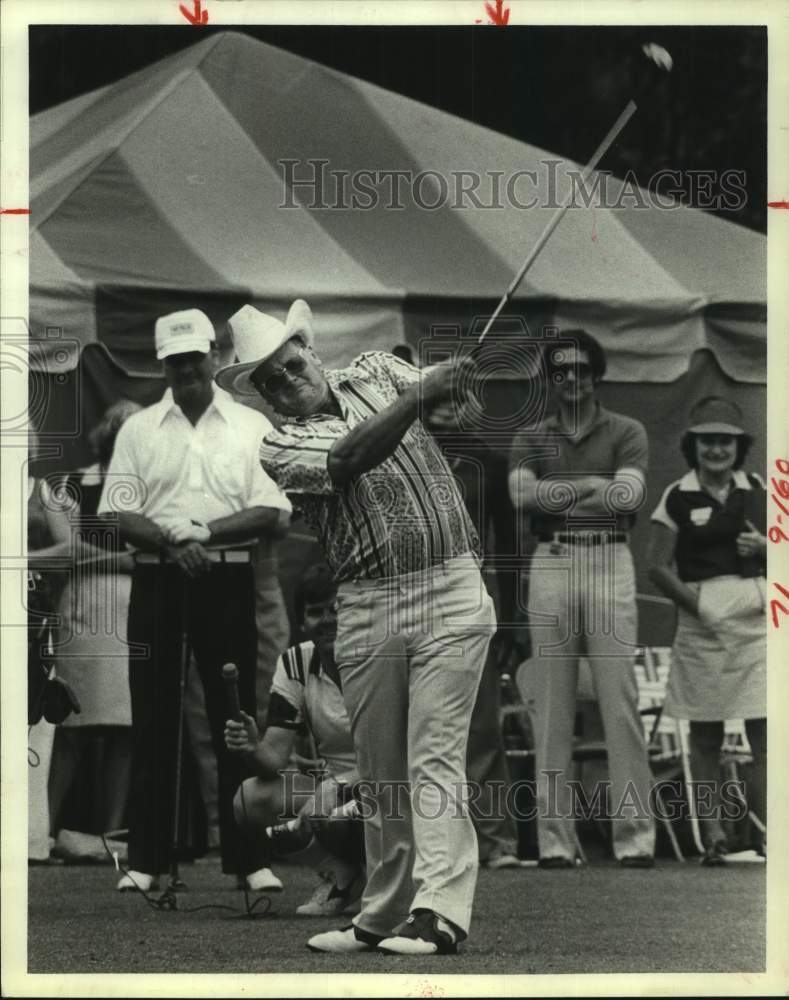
277,381
580,370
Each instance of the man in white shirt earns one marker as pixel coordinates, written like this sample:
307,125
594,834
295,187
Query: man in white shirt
187,492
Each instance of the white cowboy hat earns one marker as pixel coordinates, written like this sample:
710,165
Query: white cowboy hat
256,336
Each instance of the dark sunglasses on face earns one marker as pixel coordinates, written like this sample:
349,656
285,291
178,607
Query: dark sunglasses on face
580,370
273,383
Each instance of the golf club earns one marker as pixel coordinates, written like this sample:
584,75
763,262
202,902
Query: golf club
656,56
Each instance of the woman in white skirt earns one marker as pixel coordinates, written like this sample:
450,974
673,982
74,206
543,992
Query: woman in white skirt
708,553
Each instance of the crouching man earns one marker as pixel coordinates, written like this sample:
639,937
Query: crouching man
324,830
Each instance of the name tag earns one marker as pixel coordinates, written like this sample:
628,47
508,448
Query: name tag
701,515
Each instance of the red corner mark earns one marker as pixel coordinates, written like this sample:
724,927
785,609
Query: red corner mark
198,17
498,14
778,204
14,211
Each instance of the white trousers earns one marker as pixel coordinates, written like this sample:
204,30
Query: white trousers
582,602
411,650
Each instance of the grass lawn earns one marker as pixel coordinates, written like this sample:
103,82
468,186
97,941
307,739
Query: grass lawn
674,918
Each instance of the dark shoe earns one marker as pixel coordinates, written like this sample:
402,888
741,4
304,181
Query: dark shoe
329,900
637,861
715,855
346,940
556,861
424,933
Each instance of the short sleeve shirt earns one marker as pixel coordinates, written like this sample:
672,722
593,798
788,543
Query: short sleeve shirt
167,469
707,529
305,697
404,515
610,442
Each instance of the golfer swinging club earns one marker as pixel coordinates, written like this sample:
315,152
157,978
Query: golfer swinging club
414,618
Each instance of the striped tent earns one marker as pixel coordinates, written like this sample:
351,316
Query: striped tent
170,188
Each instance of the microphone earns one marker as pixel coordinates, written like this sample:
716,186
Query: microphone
230,677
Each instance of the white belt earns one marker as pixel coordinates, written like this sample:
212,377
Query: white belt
215,555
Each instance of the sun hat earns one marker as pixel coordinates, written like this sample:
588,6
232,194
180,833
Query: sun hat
183,331
714,415
256,336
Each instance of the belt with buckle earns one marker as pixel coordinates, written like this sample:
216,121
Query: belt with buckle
215,555
585,537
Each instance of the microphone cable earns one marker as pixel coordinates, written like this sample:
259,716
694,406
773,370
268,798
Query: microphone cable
168,901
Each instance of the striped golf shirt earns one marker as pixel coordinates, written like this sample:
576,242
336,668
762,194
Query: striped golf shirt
403,516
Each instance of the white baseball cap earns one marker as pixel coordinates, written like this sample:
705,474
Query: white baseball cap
256,336
184,331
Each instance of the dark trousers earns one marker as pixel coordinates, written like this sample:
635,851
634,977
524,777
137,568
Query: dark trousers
221,627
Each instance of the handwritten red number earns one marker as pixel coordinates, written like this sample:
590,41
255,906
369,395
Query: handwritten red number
775,607
782,465
775,500
775,604
775,534
782,487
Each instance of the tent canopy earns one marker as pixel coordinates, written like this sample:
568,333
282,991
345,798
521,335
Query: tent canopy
167,189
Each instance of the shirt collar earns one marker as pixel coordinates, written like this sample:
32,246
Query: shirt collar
317,668
221,402
690,481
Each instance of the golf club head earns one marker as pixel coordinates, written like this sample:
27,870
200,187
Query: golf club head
658,56
650,67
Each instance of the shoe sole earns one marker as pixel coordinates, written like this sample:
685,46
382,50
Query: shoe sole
419,954
330,951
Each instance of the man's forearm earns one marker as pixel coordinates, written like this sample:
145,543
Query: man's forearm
247,524
374,440
592,492
140,531
598,495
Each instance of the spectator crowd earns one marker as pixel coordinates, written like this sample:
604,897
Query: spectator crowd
371,749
